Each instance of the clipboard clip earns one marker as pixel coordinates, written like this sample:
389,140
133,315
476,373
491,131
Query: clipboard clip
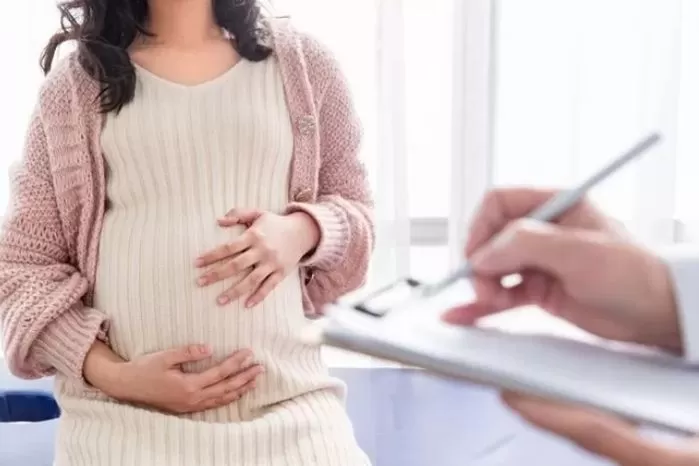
380,302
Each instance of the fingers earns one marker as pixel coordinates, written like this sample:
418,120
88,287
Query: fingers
227,398
235,363
500,207
248,285
492,297
599,433
495,300
231,268
243,242
237,383
468,314
266,288
531,245
191,353
240,217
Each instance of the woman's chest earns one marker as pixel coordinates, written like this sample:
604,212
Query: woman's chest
226,141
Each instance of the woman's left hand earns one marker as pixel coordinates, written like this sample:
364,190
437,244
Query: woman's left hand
270,248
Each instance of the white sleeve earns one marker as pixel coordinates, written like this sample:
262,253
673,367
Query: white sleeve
683,262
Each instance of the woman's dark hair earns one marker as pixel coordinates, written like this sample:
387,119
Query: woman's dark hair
104,29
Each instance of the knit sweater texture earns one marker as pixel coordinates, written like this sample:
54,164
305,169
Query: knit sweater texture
176,156
50,239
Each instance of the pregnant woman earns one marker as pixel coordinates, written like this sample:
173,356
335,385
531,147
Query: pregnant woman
190,193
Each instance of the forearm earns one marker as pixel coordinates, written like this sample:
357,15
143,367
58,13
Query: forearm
308,231
332,229
102,368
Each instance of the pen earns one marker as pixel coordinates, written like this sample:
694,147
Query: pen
556,206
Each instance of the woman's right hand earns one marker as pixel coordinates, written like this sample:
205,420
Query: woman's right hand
157,380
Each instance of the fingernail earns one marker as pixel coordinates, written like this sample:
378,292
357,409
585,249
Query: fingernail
201,281
223,300
247,362
204,349
198,262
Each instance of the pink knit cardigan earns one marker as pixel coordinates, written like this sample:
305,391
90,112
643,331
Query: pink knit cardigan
49,244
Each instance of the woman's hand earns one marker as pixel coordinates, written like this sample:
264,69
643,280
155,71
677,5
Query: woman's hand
602,434
262,256
157,380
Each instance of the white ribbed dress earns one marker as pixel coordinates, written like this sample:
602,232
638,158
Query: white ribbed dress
178,158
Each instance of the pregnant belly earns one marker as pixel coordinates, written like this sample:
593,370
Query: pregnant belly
147,285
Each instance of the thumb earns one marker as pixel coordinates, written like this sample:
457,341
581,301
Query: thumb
191,353
528,244
240,217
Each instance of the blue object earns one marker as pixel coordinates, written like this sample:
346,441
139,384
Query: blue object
27,406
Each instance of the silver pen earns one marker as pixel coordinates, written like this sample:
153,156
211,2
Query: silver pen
556,206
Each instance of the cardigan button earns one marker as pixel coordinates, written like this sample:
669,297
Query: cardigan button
309,276
303,195
307,125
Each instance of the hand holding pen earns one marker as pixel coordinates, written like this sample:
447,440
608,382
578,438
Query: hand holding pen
581,268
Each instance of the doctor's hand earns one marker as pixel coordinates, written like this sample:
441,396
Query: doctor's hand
261,257
582,269
603,434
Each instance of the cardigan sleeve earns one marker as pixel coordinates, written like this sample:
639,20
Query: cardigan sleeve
45,327
343,206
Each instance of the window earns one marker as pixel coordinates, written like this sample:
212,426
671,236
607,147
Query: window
578,81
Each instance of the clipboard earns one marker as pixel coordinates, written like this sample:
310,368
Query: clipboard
643,386
401,323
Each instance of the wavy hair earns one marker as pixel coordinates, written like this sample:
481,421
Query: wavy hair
104,29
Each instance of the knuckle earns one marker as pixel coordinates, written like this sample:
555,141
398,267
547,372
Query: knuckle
220,372
241,356
274,256
233,266
490,199
190,391
526,230
235,382
219,401
257,278
491,205
257,236
190,351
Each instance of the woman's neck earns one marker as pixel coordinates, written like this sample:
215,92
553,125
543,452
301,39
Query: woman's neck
182,23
